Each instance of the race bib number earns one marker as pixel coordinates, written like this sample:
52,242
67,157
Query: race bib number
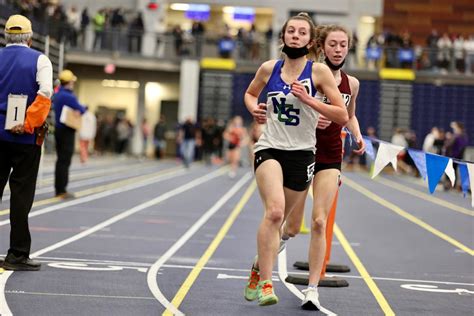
16,110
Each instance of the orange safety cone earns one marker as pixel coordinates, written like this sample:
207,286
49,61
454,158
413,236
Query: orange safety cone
329,233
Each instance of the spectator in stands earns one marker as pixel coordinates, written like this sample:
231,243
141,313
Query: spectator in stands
399,139
469,49
458,53
85,20
406,54
432,47
117,21
197,32
352,61
135,34
444,52
242,35
178,40
439,141
391,44
254,42
429,142
99,26
458,142
27,75
374,50
226,46
74,20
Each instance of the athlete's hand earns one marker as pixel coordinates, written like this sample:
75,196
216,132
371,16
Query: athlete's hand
323,122
260,113
361,147
300,91
18,129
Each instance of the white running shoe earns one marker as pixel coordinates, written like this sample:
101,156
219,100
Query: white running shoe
311,299
282,245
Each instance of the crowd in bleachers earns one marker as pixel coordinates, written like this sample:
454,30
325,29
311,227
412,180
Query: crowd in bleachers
448,52
120,30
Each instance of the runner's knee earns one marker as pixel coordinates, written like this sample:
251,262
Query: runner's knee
275,214
318,225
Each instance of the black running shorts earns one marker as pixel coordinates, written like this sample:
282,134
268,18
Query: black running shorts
324,166
297,166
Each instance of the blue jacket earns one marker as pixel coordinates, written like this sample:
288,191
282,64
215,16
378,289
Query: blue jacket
62,98
18,67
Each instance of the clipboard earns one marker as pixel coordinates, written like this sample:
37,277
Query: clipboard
16,110
70,117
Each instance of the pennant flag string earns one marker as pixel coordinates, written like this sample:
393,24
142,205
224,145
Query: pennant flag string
431,166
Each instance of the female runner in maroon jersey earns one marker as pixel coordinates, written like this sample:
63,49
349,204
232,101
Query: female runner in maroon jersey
334,42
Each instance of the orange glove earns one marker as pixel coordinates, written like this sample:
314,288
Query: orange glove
37,113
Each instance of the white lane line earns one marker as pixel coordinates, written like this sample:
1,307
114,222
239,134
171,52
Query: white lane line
283,274
81,295
87,174
101,179
5,310
99,195
153,271
400,280
243,277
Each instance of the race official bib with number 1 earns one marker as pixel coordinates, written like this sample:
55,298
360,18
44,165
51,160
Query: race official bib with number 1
16,109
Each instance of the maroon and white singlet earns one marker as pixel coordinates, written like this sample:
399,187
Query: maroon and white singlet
329,143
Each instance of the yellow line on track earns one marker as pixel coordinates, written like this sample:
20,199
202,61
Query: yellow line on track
360,267
408,216
363,272
193,275
425,196
100,188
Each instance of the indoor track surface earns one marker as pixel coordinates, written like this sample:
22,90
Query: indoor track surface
147,237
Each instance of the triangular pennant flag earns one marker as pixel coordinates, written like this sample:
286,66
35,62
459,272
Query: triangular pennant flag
420,161
369,148
385,154
470,169
464,178
450,172
435,166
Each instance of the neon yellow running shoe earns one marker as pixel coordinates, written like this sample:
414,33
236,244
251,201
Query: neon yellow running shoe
266,296
250,292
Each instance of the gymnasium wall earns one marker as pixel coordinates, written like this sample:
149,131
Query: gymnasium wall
421,16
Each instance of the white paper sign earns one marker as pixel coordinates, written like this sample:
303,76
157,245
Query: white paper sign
70,117
16,109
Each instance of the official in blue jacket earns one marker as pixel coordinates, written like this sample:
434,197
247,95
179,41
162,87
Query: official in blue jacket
64,135
25,75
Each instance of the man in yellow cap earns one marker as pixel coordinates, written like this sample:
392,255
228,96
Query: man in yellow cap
26,86
64,133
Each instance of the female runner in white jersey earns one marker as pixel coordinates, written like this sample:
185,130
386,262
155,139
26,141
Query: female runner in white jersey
284,153
333,43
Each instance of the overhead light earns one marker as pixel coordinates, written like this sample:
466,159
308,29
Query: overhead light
179,6
228,10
